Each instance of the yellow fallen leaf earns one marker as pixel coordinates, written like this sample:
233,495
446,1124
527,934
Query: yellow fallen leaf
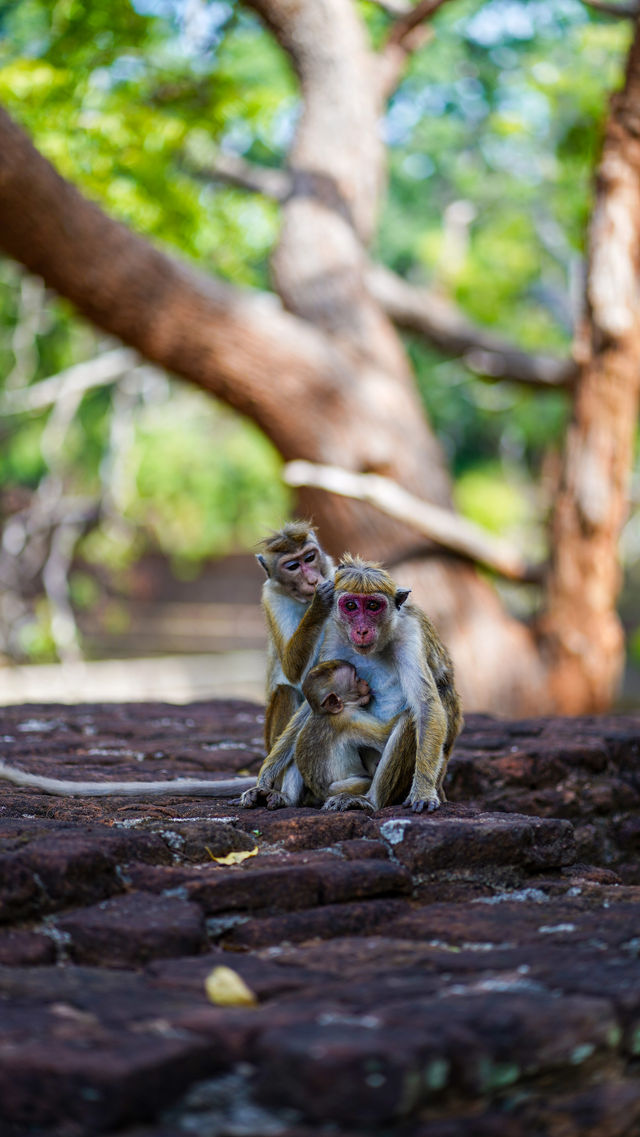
226,988
233,858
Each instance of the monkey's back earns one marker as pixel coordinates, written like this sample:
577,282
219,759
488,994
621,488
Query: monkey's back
440,664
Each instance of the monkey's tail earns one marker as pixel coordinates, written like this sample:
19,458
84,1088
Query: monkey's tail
58,787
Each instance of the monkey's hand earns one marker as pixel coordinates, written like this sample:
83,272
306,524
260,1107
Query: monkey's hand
323,598
276,800
420,804
341,802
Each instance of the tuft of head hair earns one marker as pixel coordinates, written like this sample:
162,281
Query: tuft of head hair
293,536
354,574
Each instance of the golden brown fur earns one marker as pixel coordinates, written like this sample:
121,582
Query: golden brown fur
296,603
408,669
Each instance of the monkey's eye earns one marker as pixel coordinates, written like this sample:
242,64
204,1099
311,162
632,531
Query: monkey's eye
291,566
309,558
374,605
350,605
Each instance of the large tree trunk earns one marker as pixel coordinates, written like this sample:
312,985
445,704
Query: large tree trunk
581,631
324,373
320,270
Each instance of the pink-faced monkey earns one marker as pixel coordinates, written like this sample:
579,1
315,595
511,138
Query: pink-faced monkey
396,649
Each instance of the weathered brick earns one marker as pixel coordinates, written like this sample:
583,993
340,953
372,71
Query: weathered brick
436,842
132,929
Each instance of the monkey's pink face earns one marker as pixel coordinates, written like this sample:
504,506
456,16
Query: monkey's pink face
363,617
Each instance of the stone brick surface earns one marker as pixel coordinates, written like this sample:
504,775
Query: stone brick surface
471,973
132,929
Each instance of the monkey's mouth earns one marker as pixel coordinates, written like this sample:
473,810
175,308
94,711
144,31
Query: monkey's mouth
363,649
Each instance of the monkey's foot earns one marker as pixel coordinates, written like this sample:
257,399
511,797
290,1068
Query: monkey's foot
341,802
430,804
254,797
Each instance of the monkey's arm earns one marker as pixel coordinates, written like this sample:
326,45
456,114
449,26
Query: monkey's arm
58,787
370,731
295,653
282,703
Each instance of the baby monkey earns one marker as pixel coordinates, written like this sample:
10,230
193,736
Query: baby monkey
338,731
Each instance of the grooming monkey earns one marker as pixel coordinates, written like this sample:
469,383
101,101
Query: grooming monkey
396,649
296,598
329,745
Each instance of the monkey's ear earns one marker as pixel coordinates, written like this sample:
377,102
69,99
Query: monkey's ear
261,561
401,596
332,703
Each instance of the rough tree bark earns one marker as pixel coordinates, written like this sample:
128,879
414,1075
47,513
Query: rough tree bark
323,372
580,627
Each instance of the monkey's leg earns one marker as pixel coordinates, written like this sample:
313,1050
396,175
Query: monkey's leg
352,785
394,774
276,764
281,708
291,793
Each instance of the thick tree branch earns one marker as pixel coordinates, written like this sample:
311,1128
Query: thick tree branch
442,526
81,377
406,24
237,171
417,310
441,323
407,35
336,154
230,341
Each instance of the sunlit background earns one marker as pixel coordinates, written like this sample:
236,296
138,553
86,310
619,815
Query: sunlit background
131,503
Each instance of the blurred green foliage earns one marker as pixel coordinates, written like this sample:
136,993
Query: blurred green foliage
492,137
205,480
